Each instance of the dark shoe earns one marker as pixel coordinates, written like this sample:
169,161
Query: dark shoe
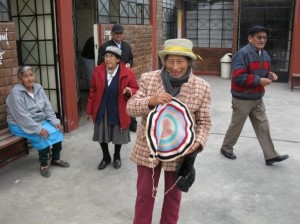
45,171
133,128
229,155
269,162
103,164
60,163
117,163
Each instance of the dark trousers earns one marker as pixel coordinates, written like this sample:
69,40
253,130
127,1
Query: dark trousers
44,154
145,201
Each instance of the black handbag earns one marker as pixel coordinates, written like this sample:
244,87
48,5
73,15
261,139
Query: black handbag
186,173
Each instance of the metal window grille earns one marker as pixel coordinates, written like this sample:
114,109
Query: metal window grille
278,17
124,12
169,19
36,42
210,23
4,11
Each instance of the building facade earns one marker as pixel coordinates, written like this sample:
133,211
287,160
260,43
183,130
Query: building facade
49,35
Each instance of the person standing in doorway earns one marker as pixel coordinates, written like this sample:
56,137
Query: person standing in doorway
251,73
88,57
117,34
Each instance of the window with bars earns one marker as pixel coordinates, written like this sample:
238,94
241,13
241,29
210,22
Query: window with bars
169,19
277,15
209,23
36,41
4,11
124,12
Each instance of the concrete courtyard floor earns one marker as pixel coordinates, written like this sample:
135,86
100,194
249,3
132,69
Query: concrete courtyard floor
243,191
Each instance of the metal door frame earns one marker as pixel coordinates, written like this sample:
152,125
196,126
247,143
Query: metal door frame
31,50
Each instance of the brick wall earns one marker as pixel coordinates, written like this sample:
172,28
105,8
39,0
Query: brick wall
211,60
8,66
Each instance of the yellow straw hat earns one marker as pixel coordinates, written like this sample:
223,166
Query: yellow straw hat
179,46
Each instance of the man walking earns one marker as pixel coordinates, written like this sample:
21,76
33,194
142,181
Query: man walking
251,72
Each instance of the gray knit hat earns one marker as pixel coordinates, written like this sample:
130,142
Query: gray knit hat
113,50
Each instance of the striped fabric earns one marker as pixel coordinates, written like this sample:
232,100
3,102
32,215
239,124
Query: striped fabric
247,69
169,131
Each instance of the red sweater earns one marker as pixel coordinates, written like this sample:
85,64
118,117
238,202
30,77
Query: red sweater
98,81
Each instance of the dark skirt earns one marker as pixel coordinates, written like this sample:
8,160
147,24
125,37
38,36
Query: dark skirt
104,133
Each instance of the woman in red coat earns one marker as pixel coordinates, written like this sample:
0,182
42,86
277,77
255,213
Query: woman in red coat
111,86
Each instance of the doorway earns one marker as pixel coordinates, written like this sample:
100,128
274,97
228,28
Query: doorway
84,18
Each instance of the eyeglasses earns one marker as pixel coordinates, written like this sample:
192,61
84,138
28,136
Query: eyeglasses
259,37
118,33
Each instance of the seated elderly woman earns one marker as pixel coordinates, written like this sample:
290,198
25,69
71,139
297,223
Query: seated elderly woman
30,115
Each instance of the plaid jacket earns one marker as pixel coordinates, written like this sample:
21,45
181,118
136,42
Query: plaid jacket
195,94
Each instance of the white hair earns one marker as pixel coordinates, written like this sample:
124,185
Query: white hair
23,69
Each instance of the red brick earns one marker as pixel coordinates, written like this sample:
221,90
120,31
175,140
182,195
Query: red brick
5,90
2,100
11,36
9,63
9,81
5,72
9,26
2,82
6,55
14,53
14,70
10,45
15,79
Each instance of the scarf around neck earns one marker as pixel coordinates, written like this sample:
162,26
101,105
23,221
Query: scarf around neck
172,85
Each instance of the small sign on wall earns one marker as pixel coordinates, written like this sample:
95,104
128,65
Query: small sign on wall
3,37
107,34
1,55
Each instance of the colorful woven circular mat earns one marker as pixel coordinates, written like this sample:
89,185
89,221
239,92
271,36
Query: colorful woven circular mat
169,131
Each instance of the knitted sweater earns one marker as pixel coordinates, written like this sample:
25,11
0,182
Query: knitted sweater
247,69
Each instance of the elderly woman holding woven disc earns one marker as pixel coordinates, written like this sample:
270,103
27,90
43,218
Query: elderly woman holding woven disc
112,85
30,115
182,100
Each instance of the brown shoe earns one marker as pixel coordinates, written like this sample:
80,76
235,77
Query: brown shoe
45,171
